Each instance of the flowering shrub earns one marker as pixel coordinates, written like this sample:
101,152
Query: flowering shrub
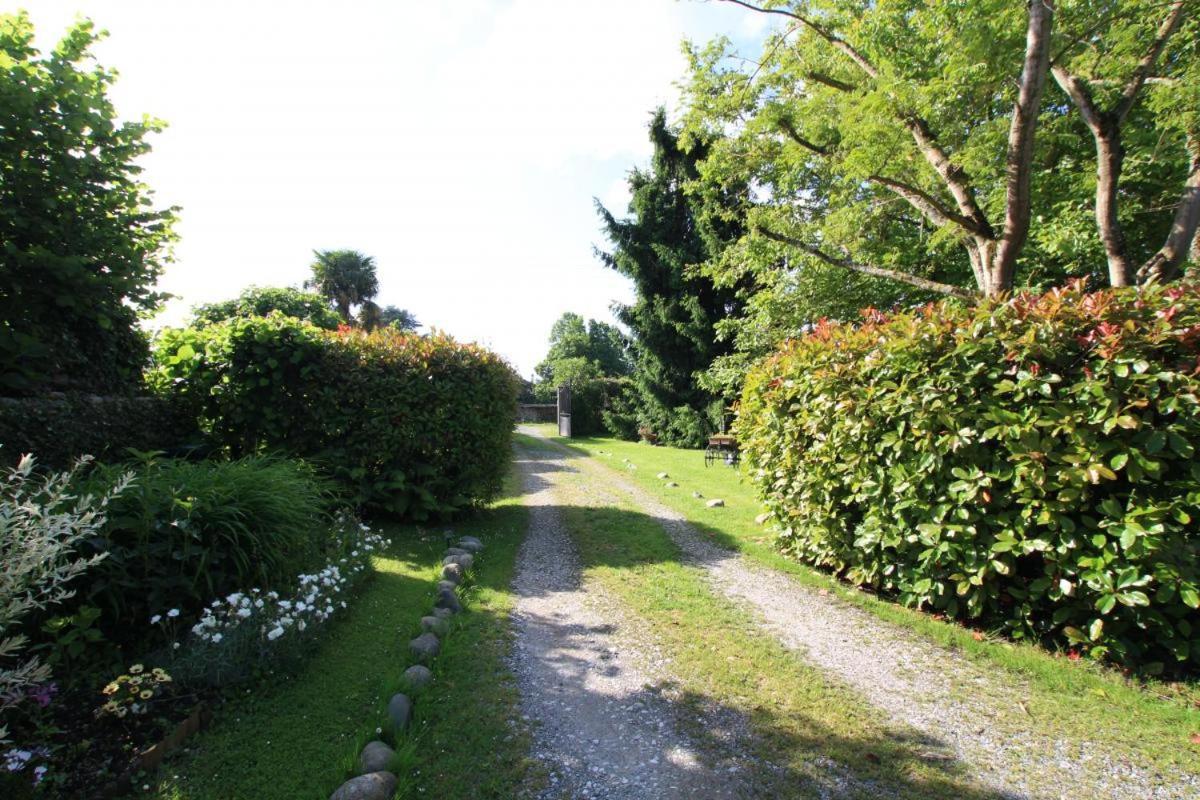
251,629
133,692
42,528
410,425
1029,463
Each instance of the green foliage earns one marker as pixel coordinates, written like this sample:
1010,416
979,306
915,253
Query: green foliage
580,352
346,278
674,316
80,244
59,428
1027,463
261,301
409,425
372,316
187,532
44,528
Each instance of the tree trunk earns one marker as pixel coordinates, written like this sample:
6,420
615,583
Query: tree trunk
1018,163
1110,156
1164,265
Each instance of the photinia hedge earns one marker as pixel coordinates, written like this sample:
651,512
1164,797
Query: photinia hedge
1026,463
411,425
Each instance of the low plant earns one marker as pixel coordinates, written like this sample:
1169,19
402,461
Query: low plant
191,530
43,529
1028,463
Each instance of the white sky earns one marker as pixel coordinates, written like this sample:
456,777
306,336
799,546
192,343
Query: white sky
459,143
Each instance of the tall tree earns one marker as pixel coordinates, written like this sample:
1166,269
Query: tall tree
81,244
658,247
259,301
1146,70
344,277
580,351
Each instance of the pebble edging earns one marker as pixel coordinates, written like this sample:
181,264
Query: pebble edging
374,782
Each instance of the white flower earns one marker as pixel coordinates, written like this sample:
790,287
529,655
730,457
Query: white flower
216,637
156,619
301,625
275,633
173,613
244,612
175,646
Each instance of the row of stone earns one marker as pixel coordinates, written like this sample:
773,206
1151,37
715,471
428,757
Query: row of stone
374,781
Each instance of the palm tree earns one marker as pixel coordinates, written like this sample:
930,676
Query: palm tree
345,278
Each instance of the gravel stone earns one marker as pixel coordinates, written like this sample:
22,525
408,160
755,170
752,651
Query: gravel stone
375,757
425,647
372,786
399,711
601,731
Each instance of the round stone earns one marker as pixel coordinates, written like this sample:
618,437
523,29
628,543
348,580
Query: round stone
446,586
417,676
435,625
399,711
425,647
375,757
448,601
470,544
457,551
715,503
372,786
453,572
465,561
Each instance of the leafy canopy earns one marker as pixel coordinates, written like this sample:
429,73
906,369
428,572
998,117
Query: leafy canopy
261,301
346,278
81,244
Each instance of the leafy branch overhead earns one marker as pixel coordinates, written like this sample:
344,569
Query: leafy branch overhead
923,142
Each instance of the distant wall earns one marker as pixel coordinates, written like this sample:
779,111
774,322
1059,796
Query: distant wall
537,412
57,428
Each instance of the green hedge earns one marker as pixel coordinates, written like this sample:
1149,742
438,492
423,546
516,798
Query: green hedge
59,428
411,425
1029,464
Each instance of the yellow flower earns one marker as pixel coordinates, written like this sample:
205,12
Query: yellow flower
112,688
145,694
135,669
122,712
110,706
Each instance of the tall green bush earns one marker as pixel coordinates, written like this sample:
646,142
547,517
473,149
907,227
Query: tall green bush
1027,463
187,531
410,425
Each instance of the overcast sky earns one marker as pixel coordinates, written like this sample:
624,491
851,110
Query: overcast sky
459,143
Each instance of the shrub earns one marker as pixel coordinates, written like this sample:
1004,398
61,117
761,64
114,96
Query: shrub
1026,463
188,531
42,531
261,301
62,427
411,425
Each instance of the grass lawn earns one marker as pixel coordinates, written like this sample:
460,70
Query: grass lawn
1076,699
299,738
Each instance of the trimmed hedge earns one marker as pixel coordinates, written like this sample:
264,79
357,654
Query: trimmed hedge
59,428
411,425
1029,463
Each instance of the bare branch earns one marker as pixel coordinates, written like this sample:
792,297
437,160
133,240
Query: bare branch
867,269
927,204
955,177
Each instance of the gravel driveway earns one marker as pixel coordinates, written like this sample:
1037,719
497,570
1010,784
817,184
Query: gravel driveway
963,712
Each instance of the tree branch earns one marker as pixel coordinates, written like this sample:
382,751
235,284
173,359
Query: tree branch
1146,65
1164,265
820,30
831,82
867,269
927,204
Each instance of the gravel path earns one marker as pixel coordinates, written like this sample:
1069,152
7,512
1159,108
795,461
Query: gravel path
588,683
963,712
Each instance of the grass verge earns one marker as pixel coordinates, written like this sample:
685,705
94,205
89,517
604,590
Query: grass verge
299,738
1077,699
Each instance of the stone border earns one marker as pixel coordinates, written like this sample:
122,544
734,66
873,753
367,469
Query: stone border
373,781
